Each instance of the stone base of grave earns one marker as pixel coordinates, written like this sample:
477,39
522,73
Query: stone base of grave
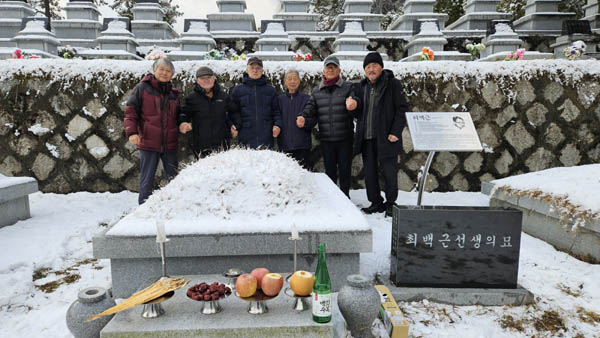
463,296
542,220
14,198
135,259
183,318
135,256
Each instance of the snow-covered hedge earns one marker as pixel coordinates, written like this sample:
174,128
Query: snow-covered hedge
61,120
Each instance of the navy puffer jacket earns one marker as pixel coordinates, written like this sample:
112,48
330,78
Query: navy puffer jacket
256,112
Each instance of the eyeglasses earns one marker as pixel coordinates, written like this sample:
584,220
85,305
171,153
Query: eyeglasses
255,67
205,78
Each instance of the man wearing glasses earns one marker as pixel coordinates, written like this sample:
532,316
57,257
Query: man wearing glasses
256,118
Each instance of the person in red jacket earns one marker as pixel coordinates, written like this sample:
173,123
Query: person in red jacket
151,124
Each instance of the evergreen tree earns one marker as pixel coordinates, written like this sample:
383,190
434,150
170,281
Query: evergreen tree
52,8
454,9
573,6
516,7
123,7
328,11
48,8
391,9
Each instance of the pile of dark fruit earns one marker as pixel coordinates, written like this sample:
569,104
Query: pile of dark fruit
207,292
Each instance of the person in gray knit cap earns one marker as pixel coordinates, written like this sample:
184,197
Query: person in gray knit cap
381,119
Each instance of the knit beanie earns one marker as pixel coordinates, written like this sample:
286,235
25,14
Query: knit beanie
373,57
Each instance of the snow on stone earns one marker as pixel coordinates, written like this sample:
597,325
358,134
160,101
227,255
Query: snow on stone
64,71
244,191
37,129
35,27
275,28
69,137
52,149
578,185
353,26
99,152
6,181
429,26
116,27
503,28
198,27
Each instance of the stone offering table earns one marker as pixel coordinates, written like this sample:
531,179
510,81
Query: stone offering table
14,198
183,317
135,257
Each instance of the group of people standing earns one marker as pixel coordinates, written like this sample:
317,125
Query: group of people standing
256,115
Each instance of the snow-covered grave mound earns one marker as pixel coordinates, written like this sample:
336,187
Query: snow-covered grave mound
244,191
571,191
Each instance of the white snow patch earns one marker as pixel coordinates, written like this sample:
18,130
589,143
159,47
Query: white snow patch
99,151
53,149
37,129
244,191
577,185
69,137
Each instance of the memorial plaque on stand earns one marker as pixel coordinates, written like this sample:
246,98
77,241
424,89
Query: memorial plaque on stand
459,247
443,132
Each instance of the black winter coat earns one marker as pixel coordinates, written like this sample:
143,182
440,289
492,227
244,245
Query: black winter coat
256,112
329,107
210,118
292,137
390,115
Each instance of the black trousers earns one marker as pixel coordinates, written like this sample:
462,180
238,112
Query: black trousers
300,155
337,157
148,164
371,165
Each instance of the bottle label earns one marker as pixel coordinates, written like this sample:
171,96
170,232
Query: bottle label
321,305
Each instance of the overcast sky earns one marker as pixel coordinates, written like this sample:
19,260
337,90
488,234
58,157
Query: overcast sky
262,10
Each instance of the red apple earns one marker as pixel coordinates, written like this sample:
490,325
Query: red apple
259,273
272,284
246,285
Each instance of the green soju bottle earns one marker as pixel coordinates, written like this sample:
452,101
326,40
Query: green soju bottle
321,299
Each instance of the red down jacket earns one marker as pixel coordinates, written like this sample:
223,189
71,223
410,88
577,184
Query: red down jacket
152,112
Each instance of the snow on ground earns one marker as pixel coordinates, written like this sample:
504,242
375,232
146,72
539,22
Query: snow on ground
58,237
55,242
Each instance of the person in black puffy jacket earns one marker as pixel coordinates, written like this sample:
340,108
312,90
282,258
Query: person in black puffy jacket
206,114
257,118
294,141
332,104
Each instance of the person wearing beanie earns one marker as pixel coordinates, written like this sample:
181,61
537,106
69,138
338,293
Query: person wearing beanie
381,119
256,119
206,114
333,104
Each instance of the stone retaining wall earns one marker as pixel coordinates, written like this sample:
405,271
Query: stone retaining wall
61,121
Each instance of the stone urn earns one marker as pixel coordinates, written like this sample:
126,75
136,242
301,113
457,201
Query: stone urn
359,303
89,302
